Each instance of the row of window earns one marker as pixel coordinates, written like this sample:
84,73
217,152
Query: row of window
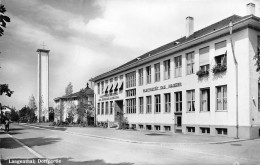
203,130
206,130
105,108
221,102
105,87
220,60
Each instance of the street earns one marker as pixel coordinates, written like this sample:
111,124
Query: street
71,148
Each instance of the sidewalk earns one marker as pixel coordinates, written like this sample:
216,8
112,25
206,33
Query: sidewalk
151,137
10,149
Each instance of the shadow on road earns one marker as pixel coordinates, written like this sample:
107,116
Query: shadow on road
60,161
9,143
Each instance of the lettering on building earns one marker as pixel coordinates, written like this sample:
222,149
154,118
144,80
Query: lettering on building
108,97
162,87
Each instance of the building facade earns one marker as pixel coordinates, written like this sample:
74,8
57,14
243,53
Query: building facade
204,83
69,104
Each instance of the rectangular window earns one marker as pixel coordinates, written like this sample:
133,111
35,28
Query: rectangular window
167,69
102,87
191,100
148,127
148,104
157,103
167,128
98,112
221,131
190,63
131,106
131,80
102,108
191,129
106,87
157,127
221,96
204,56
167,101
98,88
178,101
141,105
130,93
141,126
205,130
205,99
258,96
110,87
204,67
111,107
148,75
221,60
141,76
157,72
178,66
106,110
221,53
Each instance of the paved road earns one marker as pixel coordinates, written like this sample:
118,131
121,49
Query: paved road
75,149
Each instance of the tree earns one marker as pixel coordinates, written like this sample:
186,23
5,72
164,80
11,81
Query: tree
85,110
32,103
69,89
27,115
14,115
58,111
72,111
4,89
3,19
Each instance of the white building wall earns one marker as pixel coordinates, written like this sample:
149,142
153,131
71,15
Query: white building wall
254,80
246,89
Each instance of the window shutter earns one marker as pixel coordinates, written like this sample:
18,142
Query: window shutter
220,48
204,56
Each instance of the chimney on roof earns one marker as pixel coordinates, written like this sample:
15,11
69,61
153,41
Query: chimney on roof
250,8
189,26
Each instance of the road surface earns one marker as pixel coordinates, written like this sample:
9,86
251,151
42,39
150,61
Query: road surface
73,149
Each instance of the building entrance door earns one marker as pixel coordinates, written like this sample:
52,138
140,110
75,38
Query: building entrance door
118,110
178,124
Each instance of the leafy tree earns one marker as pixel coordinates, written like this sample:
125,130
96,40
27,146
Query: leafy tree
32,103
84,110
4,89
69,89
14,115
3,19
72,111
27,115
58,111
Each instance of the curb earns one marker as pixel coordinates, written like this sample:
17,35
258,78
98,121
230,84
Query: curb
137,142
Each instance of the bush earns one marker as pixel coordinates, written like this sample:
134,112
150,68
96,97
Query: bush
219,68
202,73
53,124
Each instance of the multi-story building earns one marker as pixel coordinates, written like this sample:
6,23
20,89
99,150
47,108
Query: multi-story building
204,83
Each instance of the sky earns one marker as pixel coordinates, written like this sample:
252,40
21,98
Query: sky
89,37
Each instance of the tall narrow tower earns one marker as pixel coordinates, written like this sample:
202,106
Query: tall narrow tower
43,85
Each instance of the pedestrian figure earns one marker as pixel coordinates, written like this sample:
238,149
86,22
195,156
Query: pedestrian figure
7,125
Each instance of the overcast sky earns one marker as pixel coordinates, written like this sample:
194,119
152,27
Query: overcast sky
87,38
